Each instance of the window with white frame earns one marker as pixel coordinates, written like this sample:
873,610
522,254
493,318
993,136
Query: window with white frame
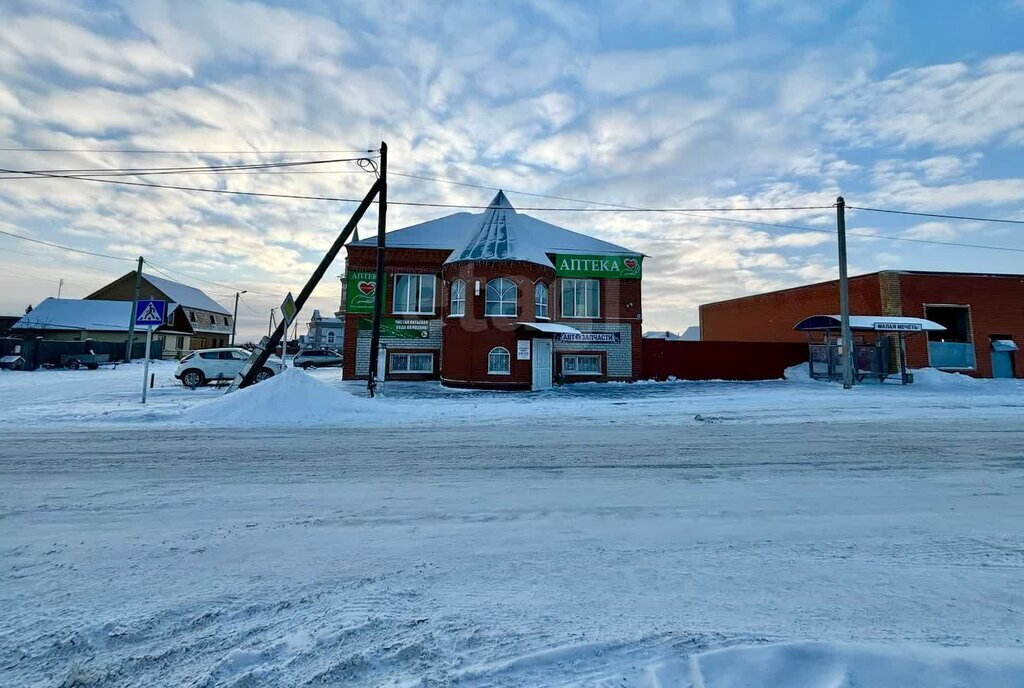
580,298
412,363
577,364
414,294
498,361
458,298
330,337
540,293
501,297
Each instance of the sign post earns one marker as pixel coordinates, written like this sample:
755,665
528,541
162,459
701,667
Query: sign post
149,314
288,312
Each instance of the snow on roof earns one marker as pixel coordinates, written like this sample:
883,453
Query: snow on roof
531,236
184,295
77,314
501,235
868,322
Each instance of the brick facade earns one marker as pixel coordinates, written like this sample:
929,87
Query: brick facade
996,308
461,344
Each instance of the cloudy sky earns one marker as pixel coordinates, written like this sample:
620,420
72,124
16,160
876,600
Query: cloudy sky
724,103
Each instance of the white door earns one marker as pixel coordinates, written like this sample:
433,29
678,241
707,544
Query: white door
541,364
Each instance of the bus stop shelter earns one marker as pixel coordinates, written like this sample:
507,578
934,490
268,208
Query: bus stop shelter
871,354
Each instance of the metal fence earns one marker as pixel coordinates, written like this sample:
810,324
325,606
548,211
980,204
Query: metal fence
46,352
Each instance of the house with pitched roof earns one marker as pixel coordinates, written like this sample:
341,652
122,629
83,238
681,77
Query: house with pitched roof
193,320
497,300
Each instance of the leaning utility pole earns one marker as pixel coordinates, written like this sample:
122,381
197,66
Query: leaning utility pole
234,318
378,295
844,296
258,359
131,318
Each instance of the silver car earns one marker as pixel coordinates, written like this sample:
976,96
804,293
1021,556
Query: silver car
318,358
219,365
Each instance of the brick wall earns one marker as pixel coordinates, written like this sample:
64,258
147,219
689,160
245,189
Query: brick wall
996,307
771,317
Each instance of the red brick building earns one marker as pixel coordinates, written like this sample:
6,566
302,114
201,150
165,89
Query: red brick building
983,315
496,300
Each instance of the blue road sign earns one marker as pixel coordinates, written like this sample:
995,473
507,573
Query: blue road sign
150,312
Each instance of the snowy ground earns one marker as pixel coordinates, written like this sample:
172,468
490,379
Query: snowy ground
796,536
111,397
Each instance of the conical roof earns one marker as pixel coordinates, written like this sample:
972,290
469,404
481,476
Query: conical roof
501,234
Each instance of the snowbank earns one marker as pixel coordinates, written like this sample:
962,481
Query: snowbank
825,665
291,398
933,378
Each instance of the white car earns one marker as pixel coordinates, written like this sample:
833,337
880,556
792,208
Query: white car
216,365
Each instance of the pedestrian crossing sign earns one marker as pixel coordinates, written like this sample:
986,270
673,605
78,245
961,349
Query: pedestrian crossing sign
150,313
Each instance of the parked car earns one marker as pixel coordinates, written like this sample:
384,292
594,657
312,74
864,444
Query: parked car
318,358
216,365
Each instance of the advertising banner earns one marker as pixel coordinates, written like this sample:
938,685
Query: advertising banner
360,290
614,267
398,329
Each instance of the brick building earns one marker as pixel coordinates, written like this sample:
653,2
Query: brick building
983,315
496,300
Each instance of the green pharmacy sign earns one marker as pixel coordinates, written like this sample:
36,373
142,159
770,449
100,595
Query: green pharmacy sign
360,290
390,328
614,267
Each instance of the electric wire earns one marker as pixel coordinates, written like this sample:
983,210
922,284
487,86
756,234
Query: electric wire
143,151
938,215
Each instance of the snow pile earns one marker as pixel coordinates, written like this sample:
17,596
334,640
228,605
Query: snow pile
291,398
798,373
825,665
933,378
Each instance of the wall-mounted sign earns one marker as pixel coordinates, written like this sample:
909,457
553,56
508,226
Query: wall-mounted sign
897,327
615,267
398,329
590,337
360,291
523,350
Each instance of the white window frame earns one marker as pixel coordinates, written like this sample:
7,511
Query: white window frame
508,361
330,337
501,300
458,299
576,366
574,282
419,289
409,355
538,289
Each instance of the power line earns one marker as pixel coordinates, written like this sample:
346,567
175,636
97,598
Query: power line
411,203
161,268
66,248
140,151
939,215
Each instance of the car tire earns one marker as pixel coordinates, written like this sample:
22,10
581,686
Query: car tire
264,374
74,364
192,378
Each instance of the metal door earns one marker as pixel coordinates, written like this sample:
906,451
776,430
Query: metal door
1002,364
541,364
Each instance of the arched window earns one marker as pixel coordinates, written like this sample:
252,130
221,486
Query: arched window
458,298
540,293
330,337
498,361
501,298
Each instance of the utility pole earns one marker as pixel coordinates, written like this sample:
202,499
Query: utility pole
234,318
378,296
131,320
844,296
60,287
270,325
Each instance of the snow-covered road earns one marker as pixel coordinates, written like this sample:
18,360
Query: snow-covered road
504,554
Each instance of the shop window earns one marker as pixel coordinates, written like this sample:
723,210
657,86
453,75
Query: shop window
581,365
414,294
580,298
501,298
498,361
458,298
541,300
412,364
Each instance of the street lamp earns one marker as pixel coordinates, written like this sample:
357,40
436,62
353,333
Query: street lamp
234,318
